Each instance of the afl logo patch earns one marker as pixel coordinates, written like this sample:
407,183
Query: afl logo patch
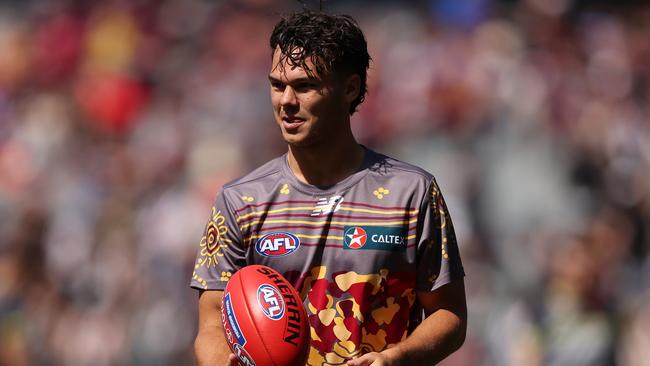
277,244
270,301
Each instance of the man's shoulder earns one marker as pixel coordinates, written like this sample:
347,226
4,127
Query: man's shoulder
262,174
386,165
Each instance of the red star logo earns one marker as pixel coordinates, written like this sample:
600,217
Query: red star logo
357,237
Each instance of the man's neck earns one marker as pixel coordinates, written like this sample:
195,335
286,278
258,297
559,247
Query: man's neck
325,165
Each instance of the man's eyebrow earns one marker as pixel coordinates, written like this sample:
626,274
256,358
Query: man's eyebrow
293,81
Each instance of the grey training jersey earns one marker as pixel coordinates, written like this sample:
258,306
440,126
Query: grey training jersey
357,251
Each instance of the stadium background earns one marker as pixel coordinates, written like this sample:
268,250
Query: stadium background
119,120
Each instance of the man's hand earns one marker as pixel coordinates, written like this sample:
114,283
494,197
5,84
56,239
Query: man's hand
232,360
373,359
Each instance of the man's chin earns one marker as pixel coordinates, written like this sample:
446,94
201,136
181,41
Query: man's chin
296,140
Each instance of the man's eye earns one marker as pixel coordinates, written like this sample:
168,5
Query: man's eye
277,86
305,86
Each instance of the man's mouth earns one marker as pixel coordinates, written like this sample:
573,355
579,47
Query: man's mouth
291,123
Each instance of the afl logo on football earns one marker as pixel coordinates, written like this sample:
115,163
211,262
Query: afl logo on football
355,237
244,357
270,301
277,244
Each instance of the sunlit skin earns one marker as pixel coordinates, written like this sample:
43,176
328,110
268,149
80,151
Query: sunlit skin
312,113
308,110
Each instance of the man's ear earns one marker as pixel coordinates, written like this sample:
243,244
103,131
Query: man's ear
352,87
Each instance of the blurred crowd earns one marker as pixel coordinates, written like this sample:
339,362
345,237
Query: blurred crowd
120,120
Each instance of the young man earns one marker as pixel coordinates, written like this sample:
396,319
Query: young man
367,240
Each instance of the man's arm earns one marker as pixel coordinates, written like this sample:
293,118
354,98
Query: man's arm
210,346
438,336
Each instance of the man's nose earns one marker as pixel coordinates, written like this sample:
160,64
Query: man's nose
289,97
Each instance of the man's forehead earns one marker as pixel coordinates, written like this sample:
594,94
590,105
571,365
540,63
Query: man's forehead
282,65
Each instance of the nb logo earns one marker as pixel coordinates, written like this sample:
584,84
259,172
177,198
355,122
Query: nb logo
325,206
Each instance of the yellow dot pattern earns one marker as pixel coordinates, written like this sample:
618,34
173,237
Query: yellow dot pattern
198,278
381,192
444,248
285,189
247,198
225,276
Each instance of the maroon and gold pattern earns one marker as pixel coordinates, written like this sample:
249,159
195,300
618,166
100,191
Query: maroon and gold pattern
351,314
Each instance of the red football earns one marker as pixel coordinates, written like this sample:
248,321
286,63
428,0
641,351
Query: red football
264,320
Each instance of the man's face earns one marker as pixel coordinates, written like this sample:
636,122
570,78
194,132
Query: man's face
308,110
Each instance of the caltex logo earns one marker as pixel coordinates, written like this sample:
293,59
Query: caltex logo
355,237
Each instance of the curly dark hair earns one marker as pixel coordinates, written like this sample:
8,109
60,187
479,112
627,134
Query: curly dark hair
334,43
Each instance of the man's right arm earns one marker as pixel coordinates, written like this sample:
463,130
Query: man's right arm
210,346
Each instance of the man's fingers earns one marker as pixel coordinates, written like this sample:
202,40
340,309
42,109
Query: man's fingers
362,361
232,360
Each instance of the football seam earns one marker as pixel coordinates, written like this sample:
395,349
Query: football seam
250,318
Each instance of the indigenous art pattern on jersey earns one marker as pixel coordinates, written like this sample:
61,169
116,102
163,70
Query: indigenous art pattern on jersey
357,251
212,245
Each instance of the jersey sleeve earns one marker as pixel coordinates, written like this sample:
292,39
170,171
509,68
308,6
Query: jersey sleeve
438,258
221,251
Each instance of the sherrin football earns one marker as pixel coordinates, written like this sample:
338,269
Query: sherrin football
264,320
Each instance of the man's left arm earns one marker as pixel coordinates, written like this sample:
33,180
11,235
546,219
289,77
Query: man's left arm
440,334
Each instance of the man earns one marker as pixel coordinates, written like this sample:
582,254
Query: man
365,239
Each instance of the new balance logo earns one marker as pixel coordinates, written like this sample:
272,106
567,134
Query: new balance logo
325,206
